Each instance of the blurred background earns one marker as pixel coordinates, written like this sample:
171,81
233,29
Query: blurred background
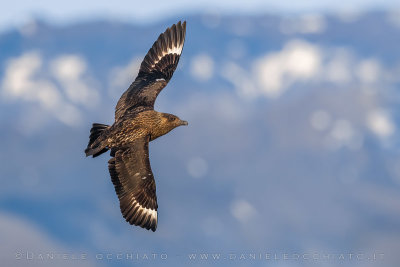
292,145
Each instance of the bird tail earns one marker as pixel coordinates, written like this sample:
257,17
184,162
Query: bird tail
94,147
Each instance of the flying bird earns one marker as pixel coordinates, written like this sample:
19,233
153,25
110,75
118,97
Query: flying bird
136,124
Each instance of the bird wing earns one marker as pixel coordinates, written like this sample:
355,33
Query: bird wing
156,70
134,183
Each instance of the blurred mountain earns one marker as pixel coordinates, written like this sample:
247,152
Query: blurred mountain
292,144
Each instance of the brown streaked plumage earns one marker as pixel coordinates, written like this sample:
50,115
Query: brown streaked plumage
136,124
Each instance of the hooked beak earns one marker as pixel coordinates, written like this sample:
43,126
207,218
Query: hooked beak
184,123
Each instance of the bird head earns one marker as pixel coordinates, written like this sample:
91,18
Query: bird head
172,121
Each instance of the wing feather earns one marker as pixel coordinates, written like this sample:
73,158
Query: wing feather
134,184
156,70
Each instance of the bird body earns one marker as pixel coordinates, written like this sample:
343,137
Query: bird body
136,124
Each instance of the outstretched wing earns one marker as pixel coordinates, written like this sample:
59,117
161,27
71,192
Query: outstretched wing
134,184
156,70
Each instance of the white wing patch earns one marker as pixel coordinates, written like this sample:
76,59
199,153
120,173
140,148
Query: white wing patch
174,50
147,211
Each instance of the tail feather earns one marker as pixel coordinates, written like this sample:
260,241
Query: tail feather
94,148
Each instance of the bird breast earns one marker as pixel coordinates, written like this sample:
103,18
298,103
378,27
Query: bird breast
149,122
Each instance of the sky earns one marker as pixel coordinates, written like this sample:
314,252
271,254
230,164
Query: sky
13,13
292,144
